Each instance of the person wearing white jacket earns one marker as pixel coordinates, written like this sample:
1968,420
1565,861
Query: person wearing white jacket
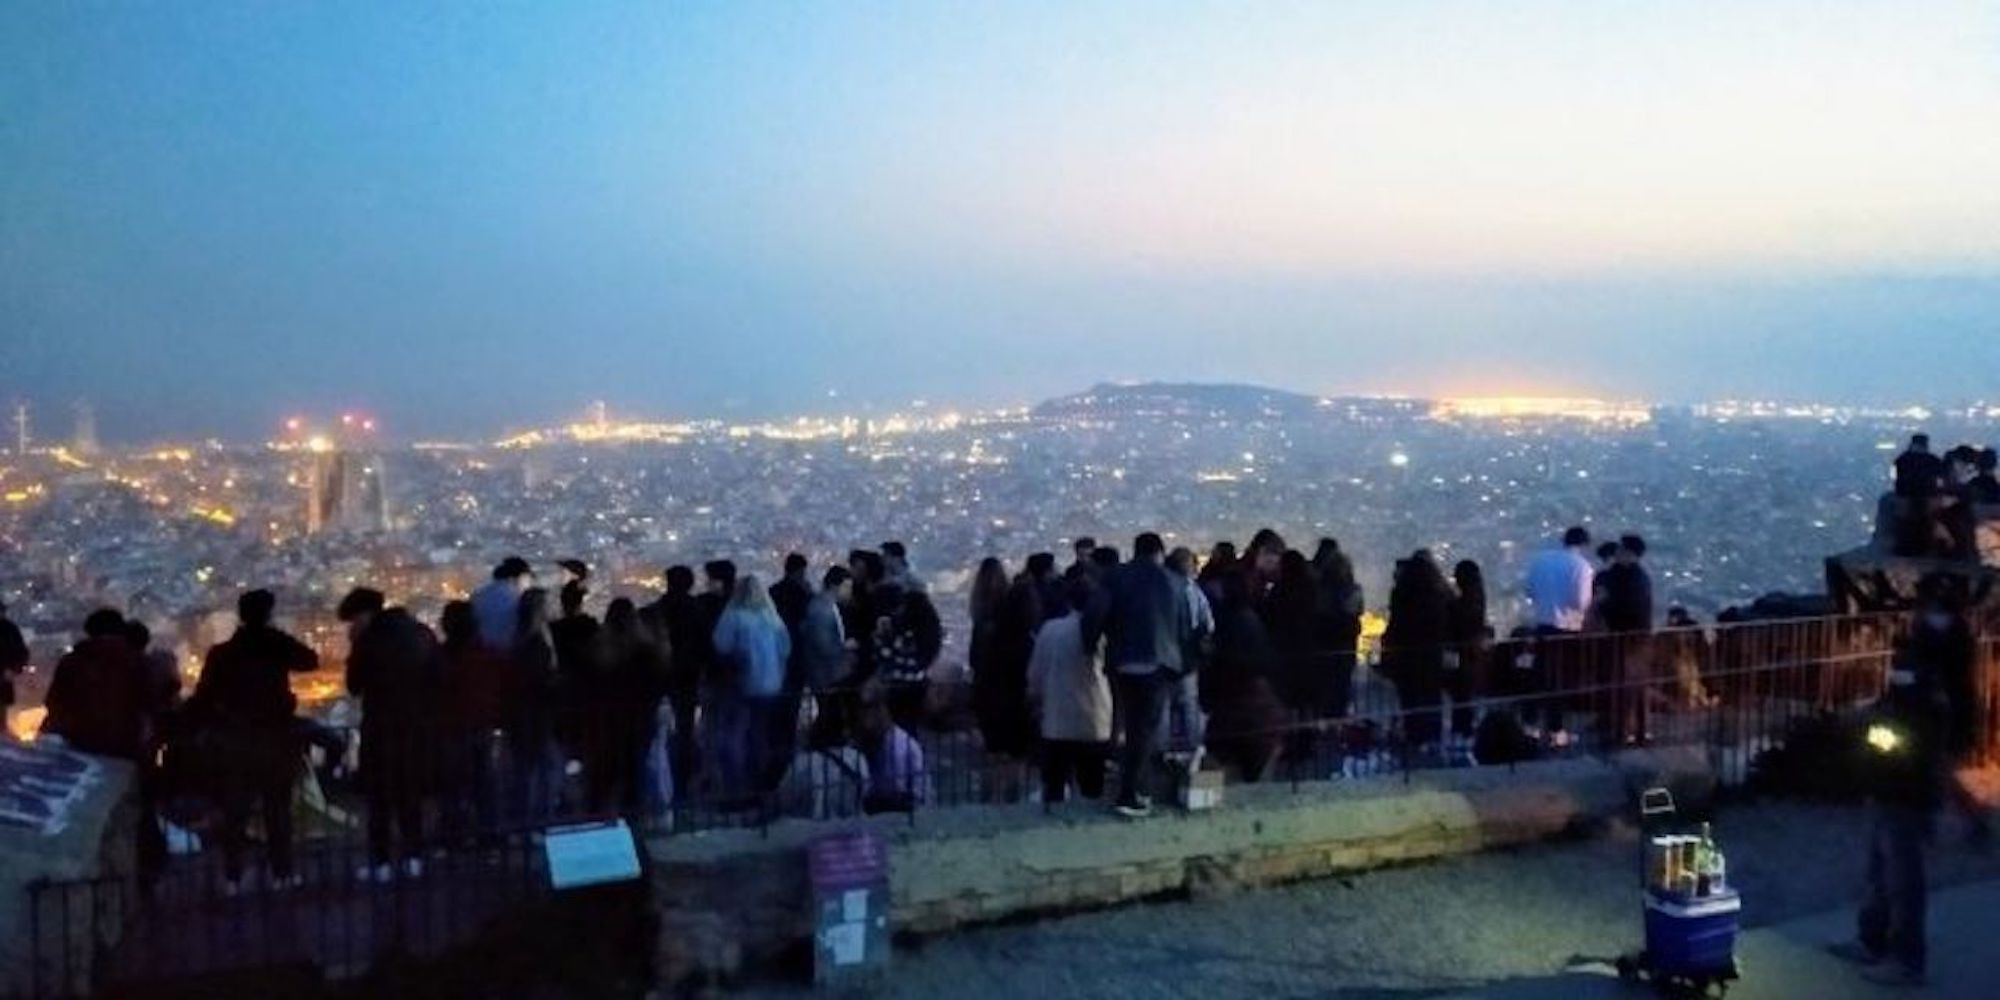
1072,698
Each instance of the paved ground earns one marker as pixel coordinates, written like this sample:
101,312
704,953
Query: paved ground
1504,924
1789,960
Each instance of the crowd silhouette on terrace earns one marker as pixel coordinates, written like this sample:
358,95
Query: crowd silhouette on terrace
729,693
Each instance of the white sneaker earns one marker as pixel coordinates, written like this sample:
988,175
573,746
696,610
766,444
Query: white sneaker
413,868
379,874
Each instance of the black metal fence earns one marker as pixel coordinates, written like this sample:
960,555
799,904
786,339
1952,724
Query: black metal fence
479,797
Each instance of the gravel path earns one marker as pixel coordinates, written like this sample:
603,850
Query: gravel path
1426,930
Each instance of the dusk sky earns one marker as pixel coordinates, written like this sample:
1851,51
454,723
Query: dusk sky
465,217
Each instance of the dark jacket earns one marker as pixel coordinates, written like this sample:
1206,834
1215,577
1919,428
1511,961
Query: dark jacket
1983,489
791,596
13,659
907,635
1918,474
1909,769
691,641
394,669
1465,619
1419,623
97,699
245,681
478,684
575,638
1628,598
708,609
1945,656
1146,619
1239,685
531,713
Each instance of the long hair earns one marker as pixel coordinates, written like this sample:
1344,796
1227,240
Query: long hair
752,599
460,625
1471,581
1335,570
531,617
989,589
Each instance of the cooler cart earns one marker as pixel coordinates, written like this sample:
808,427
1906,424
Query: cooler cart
1690,939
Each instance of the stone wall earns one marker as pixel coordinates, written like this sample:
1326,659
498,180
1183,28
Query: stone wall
739,898
96,842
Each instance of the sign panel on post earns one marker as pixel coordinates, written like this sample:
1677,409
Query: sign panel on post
850,882
590,854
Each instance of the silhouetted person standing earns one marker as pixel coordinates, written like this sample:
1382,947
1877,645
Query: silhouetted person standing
393,668
1471,639
752,647
1627,611
827,658
692,648
1238,688
1414,644
478,687
537,775
1147,626
574,633
495,603
790,596
1072,700
1919,472
13,658
97,698
1336,627
1290,615
906,640
1560,585
244,701
1904,768
1985,486
624,695
999,692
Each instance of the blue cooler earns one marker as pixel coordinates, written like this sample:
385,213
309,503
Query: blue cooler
1691,936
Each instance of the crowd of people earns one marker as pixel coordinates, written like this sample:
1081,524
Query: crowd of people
1939,501
520,706
516,709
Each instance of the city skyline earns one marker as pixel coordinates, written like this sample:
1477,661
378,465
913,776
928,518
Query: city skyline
72,431
467,220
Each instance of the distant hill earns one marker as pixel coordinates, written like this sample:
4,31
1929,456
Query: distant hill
1207,400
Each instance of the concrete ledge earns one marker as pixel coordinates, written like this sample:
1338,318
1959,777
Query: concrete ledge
740,897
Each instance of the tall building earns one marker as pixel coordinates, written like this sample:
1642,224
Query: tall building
85,441
346,490
20,427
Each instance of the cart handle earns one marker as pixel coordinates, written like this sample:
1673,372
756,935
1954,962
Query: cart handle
1655,802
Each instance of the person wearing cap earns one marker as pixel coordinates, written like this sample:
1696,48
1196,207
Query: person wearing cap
496,604
1904,752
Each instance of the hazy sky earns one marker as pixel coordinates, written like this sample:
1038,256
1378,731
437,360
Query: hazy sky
475,215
